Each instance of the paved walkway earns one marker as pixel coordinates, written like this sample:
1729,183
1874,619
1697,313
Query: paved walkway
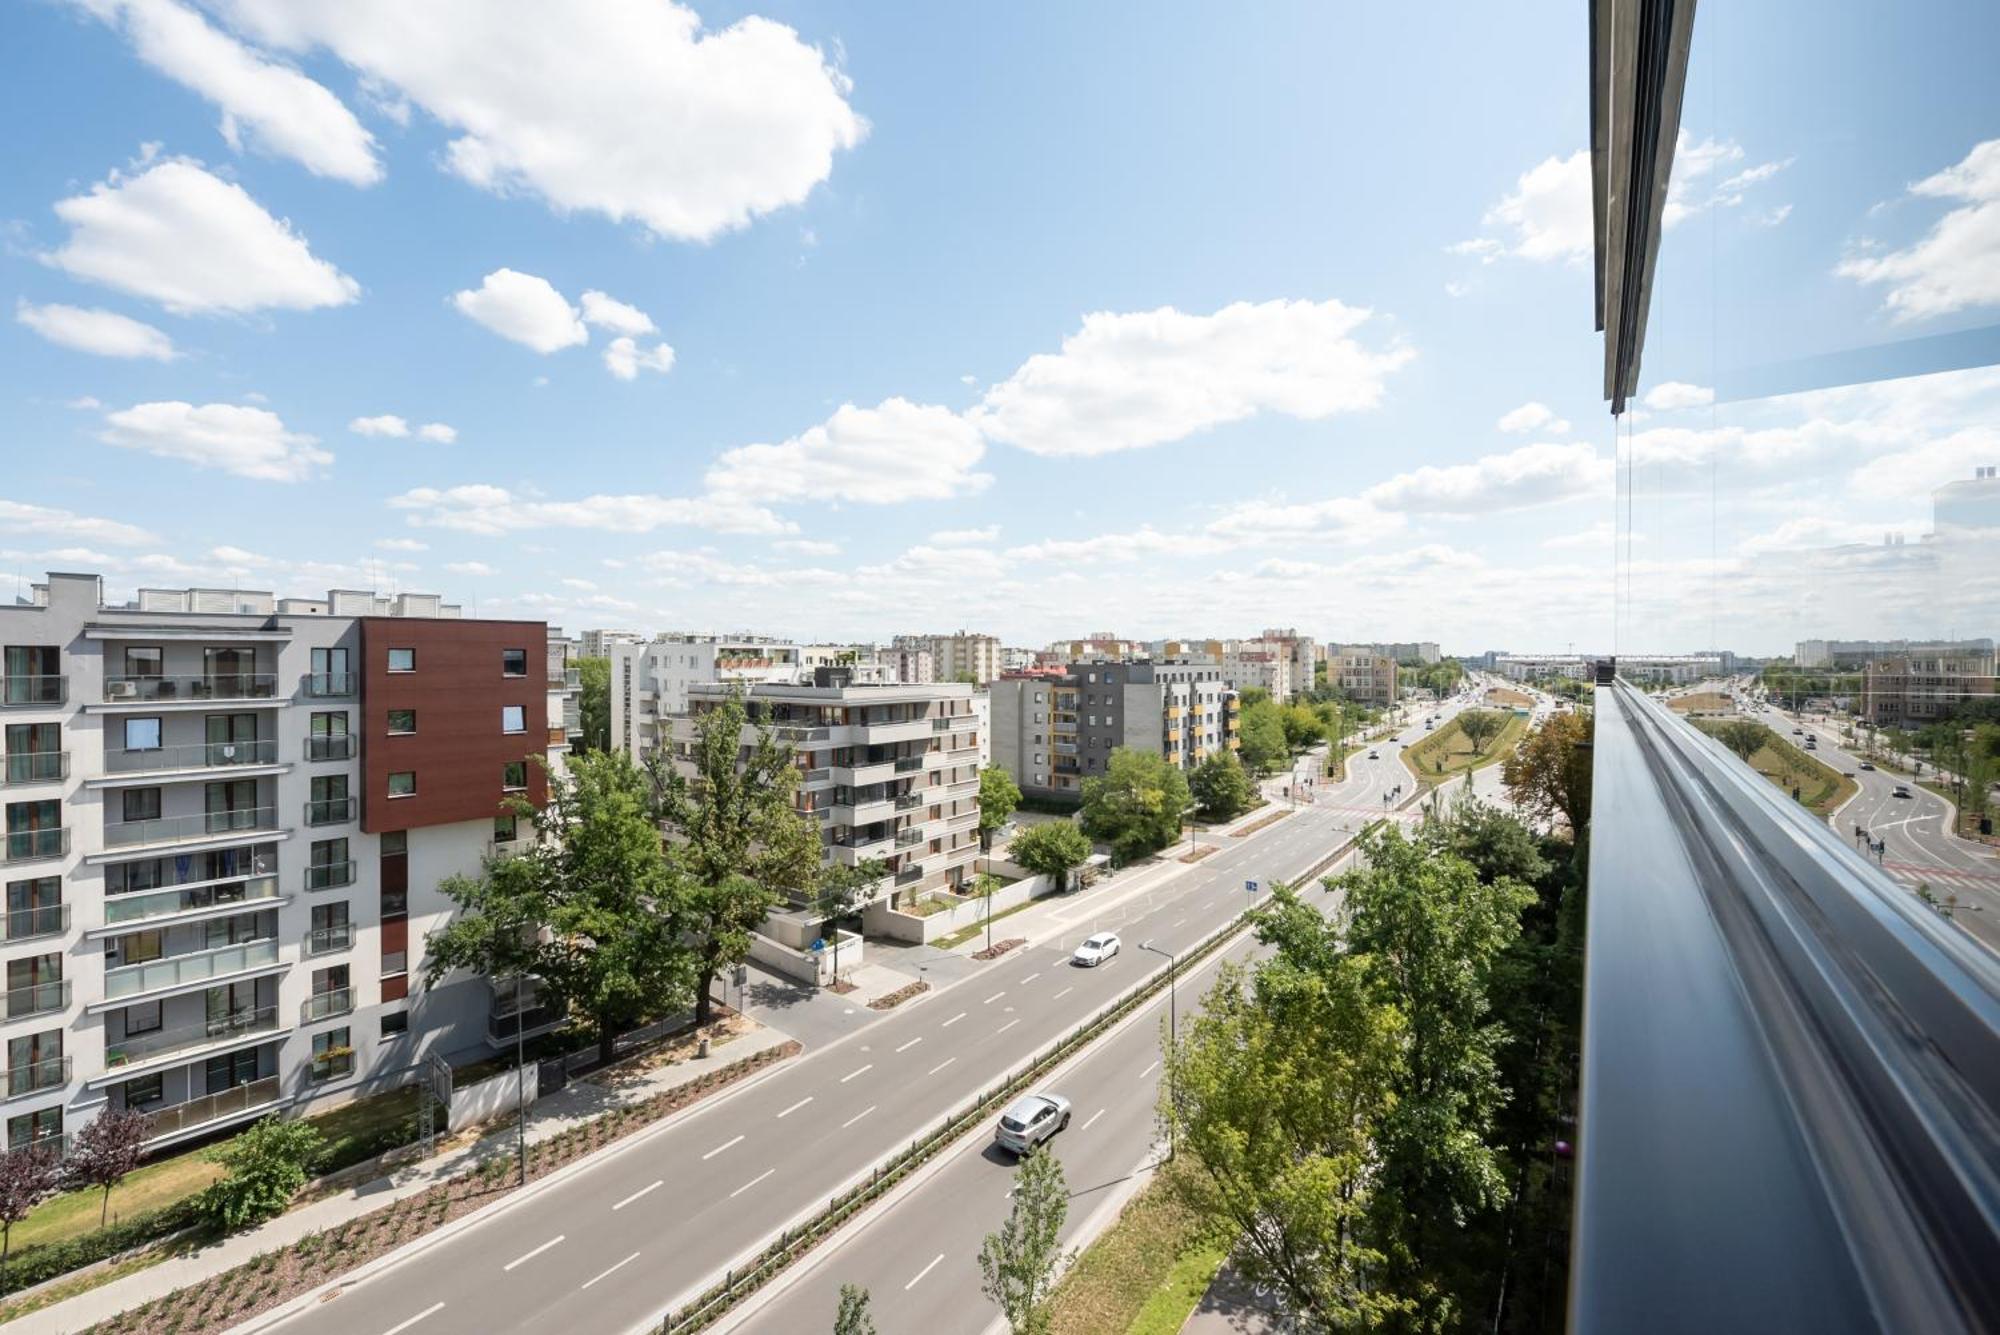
1233,1306
581,1101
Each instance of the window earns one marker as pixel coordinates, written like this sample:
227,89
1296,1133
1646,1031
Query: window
142,734
141,804
137,948
514,776
402,660
395,843
230,1070
233,931
148,1091
513,662
503,830
402,721
29,1128
143,1018
1038,697
403,783
34,908
513,718
143,660
395,1024
333,1056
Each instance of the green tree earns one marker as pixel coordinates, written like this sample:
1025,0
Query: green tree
1220,788
1481,726
1302,725
1136,804
1019,1262
999,795
853,1318
1549,773
594,909
1260,732
1253,695
267,1165
1052,849
742,843
840,889
595,707
1496,843
1743,737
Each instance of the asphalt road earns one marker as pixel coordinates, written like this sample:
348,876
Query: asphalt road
653,1221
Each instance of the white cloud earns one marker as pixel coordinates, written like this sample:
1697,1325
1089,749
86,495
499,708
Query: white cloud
1540,474
85,402
625,108
1548,212
624,358
608,312
1132,380
1482,248
1343,519
1456,289
468,567
479,508
895,451
524,308
194,243
583,584
964,537
808,546
249,442
402,545
1812,532
1532,416
274,107
388,424
1672,395
437,433
105,333
1955,265
1114,547
1695,163
45,521
1600,535
236,556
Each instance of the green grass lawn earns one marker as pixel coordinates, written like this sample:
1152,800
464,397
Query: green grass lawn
1143,1275
1449,744
1821,787
964,934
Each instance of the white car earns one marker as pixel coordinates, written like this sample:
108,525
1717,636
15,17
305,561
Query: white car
1096,949
1031,1121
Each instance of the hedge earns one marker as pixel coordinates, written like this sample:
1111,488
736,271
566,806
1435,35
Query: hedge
46,1261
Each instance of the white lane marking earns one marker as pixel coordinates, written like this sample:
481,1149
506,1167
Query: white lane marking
941,1065
857,1117
1179,921
1150,1069
1005,1027
751,1183
953,1020
1031,977
613,1270
925,1271
912,1043
523,1259
995,997
428,1311
1065,992
637,1194
720,1148
862,1070
796,1106
1093,1119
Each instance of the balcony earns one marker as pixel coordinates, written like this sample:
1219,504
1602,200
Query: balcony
945,724
329,685
187,970
909,837
568,679
325,1005
863,811
27,692
329,940
909,801
25,1080
909,875
910,765
197,756
228,1105
227,686
181,829
35,845
24,767
215,1031
27,924
1069,748
330,746
35,999
146,905
331,810
329,875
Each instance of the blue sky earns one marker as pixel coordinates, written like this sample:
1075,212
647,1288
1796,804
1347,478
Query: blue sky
1039,320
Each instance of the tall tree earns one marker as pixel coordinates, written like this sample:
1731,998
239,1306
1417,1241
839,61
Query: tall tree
110,1146
1220,788
1020,1261
999,795
595,707
840,888
1481,726
1260,732
1137,803
1549,774
1743,736
853,1316
28,1176
1302,725
743,844
1052,849
616,910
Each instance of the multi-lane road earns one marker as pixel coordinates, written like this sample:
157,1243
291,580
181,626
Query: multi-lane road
651,1222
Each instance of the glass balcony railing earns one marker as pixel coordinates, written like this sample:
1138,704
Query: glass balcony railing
214,1107
326,1005
50,1074
908,801
329,875
180,970
330,746
198,755
909,765
331,810
34,690
218,1027
35,767
26,924
199,825
328,685
207,686
905,838
327,940
32,845
35,999
187,899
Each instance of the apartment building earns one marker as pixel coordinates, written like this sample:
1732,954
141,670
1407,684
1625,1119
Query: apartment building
1853,655
599,643
650,681
888,771
960,656
226,818
1364,674
1912,690
1051,732
909,667
1268,668
1301,650
1100,645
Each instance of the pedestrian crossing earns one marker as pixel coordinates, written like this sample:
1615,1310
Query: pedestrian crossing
1938,877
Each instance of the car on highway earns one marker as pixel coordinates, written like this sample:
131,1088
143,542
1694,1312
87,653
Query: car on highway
1374,755
1867,764
1032,1120
1096,949
1902,790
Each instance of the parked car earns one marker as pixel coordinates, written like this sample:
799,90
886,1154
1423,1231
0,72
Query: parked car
1902,790
1032,1120
1096,949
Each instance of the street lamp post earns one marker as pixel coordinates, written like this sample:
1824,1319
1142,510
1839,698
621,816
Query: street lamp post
1173,1042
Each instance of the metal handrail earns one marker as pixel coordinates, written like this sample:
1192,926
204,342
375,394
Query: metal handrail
326,1005
32,845
213,1029
194,967
194,755
51,1073
328,875
327,940
328,685
214,1107
35,999
42,920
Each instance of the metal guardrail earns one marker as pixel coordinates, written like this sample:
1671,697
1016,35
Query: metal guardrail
331,810
325,1005
197,966
37,1076
34,845
35,999
330,746
329,940
26,924
329,685
229,1025
329,875
197,825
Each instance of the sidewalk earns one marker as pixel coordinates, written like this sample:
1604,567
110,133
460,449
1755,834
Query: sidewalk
581,1101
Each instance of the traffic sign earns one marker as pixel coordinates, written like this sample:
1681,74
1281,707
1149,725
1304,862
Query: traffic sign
1251,886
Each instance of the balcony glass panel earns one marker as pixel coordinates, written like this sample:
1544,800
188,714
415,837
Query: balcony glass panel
331,810
43,920
326,1005
186,899
200,755
326,940
36,766
34,690
200,825
179,1038
181,969
329,875
328,685
50,1074
29,845
38,999
214,1107
330,746
217,686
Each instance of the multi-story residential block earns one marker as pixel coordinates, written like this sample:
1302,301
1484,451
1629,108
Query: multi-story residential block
1266,667
226,818
650,681
1853,655
599,643
888,771
1051,732
1912,690
1363,674
1099,646
908,667
960,656
1302,650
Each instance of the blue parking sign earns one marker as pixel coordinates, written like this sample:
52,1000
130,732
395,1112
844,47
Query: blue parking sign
1251,886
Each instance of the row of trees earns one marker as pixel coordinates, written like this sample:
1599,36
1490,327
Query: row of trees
1442,677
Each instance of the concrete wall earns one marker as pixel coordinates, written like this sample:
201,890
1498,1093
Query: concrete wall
488,1099
881,920
814,968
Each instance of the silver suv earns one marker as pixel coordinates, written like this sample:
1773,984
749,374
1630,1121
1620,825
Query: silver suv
1031,1121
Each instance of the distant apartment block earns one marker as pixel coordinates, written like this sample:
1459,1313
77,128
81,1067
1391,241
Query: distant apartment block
1052,731
1915,689
1266,668
1853,655
226,818
1100,646
650,681
961,656
599,643
1363,674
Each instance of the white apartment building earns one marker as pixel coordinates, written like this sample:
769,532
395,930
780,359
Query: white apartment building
226,816
1363,674
908,667
599,643
1301,650
1052,731
650,681
1268,667
960,656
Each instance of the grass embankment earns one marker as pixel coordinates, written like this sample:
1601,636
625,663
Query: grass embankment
1820,786
1507,698
1703,702
1448,751
958,938
1144,1274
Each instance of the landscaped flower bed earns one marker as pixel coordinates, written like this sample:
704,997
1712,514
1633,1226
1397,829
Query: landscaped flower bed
278,1276
891,1000
1000,948
1257,825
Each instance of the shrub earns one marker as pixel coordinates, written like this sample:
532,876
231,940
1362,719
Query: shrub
40,1263
267,1165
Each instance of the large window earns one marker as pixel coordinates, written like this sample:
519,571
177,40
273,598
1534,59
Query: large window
402,721
402,660
403,783
142,734
514,662
513,718
514,776
333,1055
